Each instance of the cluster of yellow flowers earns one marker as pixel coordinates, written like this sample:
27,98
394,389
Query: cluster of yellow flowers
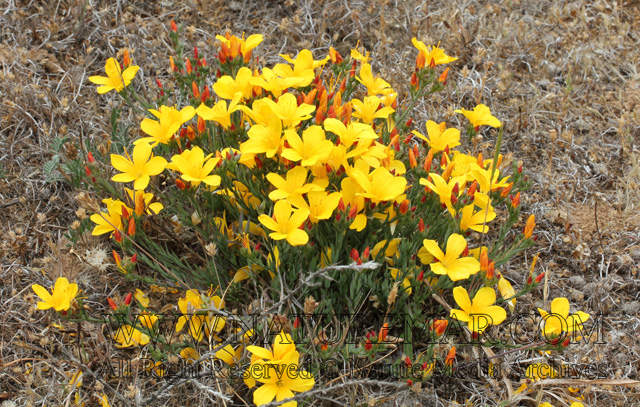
282,155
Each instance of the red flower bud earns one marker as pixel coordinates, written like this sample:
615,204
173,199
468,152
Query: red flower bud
134,258
174,27
368,345
131,230
90,158
112,304
181,185
421,225
127,299
420,276
540,277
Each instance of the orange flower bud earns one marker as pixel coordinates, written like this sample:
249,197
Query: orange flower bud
414,80
473,188
112,304
368,345
528,228
382,336
188,66
117,236
439,326
201,125
194,88
131,230
447,172
540,277
205,94
140,203
174,27
515,201
343,85
404,206
127,299
126,59
125,212
490,271
191,135
450,356
116,257
480,160
421,60
484,260
443,77
421,226
172,64
412,159
505,191
181,185
335,56
428,160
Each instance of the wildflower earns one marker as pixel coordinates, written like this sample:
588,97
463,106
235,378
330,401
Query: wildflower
358,56
127,336
229,88
115,79
240,46
140,169
143,200
558,320
375,86
479,313
141,297
367,110
61,295
321,204
450,263
264,139
353,133
303,67
200,324
268,369
507,291
275,84
335,56
480,116
483,177
169,121
288,110
476,220
286,223
432,56
439,136
219,112
294,184
443,188
313,147
195,167
380,185
107,222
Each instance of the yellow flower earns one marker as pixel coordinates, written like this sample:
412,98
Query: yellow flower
558,320
484,178
279,372
439,136
219,112
507,291
200,323
288,111
148,320
479,313
375,86
476,220
116,79
433,56
380,185
355,54
140,169
443,188
229,88
354,133
169,121
303,67
450,263
275,84
141,198
480,116
127,336
367,110
61,295
321,204
264,139
107,222
294,184
236,44
286,224
104,401
190,355
195,167
310,149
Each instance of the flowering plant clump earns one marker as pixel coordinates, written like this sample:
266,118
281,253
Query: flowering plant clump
301,181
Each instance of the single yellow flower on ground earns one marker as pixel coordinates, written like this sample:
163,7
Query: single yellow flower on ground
169,121
61,295
140,168
195,167
479,313
558,320
115,79
480,116
450,263
286,224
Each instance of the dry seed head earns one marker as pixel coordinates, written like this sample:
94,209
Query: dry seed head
310,305
393,294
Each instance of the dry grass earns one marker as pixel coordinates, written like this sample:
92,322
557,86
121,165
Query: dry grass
562,75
